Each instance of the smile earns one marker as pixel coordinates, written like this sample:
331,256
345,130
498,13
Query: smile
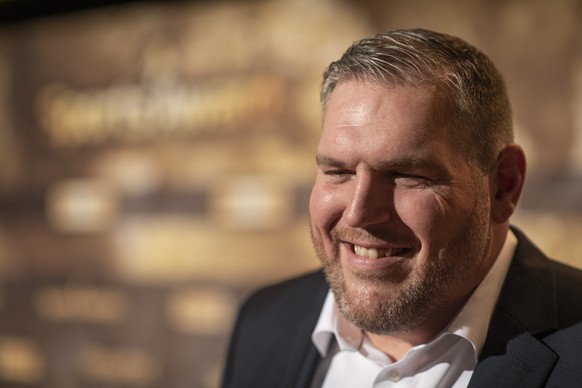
374,253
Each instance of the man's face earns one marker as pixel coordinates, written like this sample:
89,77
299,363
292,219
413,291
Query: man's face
400,219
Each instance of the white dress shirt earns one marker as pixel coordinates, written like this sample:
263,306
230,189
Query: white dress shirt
351,361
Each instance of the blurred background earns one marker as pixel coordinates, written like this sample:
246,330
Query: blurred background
156,160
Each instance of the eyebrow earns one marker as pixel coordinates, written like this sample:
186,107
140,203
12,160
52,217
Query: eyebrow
328,161
416,162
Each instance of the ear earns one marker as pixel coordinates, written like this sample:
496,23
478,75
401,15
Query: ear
506,182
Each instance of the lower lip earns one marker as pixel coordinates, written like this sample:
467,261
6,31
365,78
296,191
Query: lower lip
364,263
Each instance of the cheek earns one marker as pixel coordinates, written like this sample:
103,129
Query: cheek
427,214
325,207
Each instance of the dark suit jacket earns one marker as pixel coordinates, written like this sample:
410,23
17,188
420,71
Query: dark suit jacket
530,342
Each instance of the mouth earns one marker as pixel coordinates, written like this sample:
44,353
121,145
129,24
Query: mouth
375,253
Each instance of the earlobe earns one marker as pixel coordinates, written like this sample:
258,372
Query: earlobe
507,178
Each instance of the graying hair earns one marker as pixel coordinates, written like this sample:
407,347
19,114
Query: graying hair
471,83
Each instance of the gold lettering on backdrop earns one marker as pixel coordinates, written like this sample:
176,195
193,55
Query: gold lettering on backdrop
82,304
144,111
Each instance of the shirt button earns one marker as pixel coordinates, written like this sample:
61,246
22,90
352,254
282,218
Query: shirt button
394,375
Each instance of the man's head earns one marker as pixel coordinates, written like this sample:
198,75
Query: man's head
408,212
467,79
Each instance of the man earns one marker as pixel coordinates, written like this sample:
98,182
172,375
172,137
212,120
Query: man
418,176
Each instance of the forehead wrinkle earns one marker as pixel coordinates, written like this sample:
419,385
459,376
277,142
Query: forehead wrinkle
425,127
352,142
351,136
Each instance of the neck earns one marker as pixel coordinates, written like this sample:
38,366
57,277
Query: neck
397,345
394,347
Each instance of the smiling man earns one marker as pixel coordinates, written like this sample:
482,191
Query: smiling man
425,284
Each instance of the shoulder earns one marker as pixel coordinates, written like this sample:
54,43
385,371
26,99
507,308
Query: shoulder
568,340
538,294
567,345
531,262
548,359
273,330
290,298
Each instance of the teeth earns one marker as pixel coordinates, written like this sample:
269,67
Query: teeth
373,253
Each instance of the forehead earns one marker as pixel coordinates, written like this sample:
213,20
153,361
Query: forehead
391,117
364,99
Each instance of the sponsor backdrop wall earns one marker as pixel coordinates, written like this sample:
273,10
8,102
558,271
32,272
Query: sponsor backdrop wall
156,161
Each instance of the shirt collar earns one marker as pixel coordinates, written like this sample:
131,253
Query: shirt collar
331,324
471,323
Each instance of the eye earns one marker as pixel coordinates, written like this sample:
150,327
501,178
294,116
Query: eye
411,180
338,174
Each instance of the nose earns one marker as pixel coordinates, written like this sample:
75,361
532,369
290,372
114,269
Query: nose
371,202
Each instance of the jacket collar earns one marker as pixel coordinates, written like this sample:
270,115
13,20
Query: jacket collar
512,355
527,300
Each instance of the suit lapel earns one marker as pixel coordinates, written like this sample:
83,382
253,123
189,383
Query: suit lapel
527,363
303,356
526,305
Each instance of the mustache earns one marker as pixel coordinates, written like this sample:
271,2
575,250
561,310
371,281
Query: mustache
373,236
